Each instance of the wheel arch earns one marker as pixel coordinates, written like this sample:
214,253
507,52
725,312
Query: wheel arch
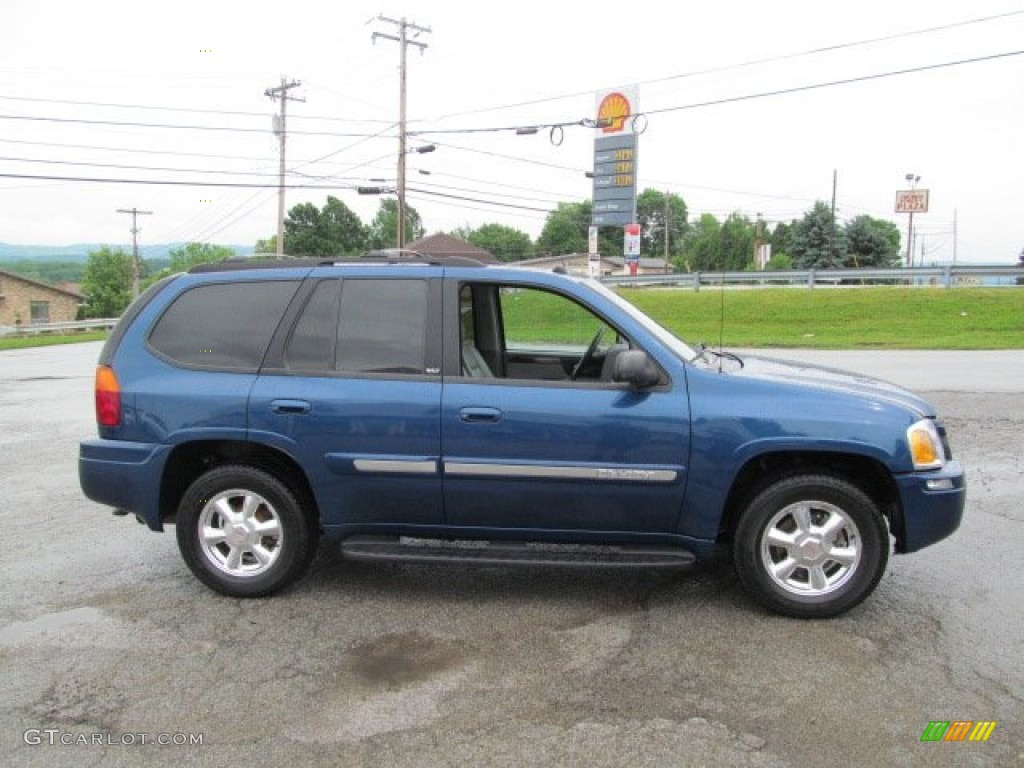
189,460
765,469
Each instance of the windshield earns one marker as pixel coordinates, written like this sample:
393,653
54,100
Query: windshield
666,337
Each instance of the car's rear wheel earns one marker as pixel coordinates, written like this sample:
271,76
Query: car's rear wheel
811,546
243,533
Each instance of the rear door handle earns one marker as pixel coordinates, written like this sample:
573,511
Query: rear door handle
480,415
290,407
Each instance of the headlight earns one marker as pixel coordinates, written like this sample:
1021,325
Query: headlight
925,445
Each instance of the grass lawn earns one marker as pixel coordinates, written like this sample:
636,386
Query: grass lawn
843,318
823,318
46,340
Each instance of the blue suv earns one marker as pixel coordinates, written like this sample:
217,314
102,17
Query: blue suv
433,410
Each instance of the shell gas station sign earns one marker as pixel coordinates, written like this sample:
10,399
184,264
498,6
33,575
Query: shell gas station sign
615,158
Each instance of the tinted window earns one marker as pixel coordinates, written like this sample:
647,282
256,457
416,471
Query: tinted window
381,326
312,345
225,325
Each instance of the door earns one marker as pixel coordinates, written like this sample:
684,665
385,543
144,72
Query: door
352,391
538,436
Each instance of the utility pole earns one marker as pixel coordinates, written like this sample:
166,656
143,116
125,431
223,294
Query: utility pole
758,242
135,212
403,43
281,92
667,230
912,179
954,236
832,245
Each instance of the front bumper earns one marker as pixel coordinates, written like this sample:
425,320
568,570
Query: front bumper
932,505
124,475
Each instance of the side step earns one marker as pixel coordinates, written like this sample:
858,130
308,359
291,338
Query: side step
416,550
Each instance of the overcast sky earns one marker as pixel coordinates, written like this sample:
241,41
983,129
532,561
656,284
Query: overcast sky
139,66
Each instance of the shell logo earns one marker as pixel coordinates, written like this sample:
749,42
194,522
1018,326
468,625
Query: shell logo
616,108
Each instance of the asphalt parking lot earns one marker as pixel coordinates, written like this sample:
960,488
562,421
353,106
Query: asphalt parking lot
106,637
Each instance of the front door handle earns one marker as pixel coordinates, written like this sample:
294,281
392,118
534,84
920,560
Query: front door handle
290,407
480,415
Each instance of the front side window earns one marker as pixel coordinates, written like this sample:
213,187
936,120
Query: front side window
539,319
531,334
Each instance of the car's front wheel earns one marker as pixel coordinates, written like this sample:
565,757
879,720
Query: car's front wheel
243,533
811,546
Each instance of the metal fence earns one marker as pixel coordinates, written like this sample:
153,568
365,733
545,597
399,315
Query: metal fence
947,277
74,326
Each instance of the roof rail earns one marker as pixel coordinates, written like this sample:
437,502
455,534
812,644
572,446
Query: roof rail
235,264
405,255
390,256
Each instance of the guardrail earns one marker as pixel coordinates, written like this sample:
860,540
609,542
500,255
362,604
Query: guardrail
948,277
72,326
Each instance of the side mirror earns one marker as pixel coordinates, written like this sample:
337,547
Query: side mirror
635,367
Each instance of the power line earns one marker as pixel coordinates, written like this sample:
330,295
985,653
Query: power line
832,83
478,200
167,182
186,110
739,65
131,150
136,167
173,126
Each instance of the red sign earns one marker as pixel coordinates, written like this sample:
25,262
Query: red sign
613,111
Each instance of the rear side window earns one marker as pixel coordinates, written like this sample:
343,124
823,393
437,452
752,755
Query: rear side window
362,326
222,325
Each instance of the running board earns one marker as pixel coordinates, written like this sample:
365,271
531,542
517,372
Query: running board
416,550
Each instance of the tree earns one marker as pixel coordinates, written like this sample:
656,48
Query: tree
650,208
779,238
779,261
184,258
383,231
333,231
565,230
267,246
872,242
107,283
506,243
816,242
188,256
737,242
702,245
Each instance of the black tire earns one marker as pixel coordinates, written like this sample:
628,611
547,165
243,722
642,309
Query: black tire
243,533
811,546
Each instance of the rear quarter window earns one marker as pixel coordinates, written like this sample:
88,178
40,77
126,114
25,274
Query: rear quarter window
222,325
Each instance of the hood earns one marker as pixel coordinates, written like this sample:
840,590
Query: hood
830,379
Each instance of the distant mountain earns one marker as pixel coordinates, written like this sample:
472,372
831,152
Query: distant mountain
80,251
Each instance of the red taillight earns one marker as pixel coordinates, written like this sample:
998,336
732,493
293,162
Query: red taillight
108,397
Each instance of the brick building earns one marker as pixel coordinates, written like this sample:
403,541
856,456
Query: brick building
28,302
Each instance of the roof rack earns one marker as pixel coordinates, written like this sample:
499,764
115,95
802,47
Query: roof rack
405,255
389,256
235,264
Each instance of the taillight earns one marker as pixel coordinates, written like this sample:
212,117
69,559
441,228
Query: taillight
108,397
